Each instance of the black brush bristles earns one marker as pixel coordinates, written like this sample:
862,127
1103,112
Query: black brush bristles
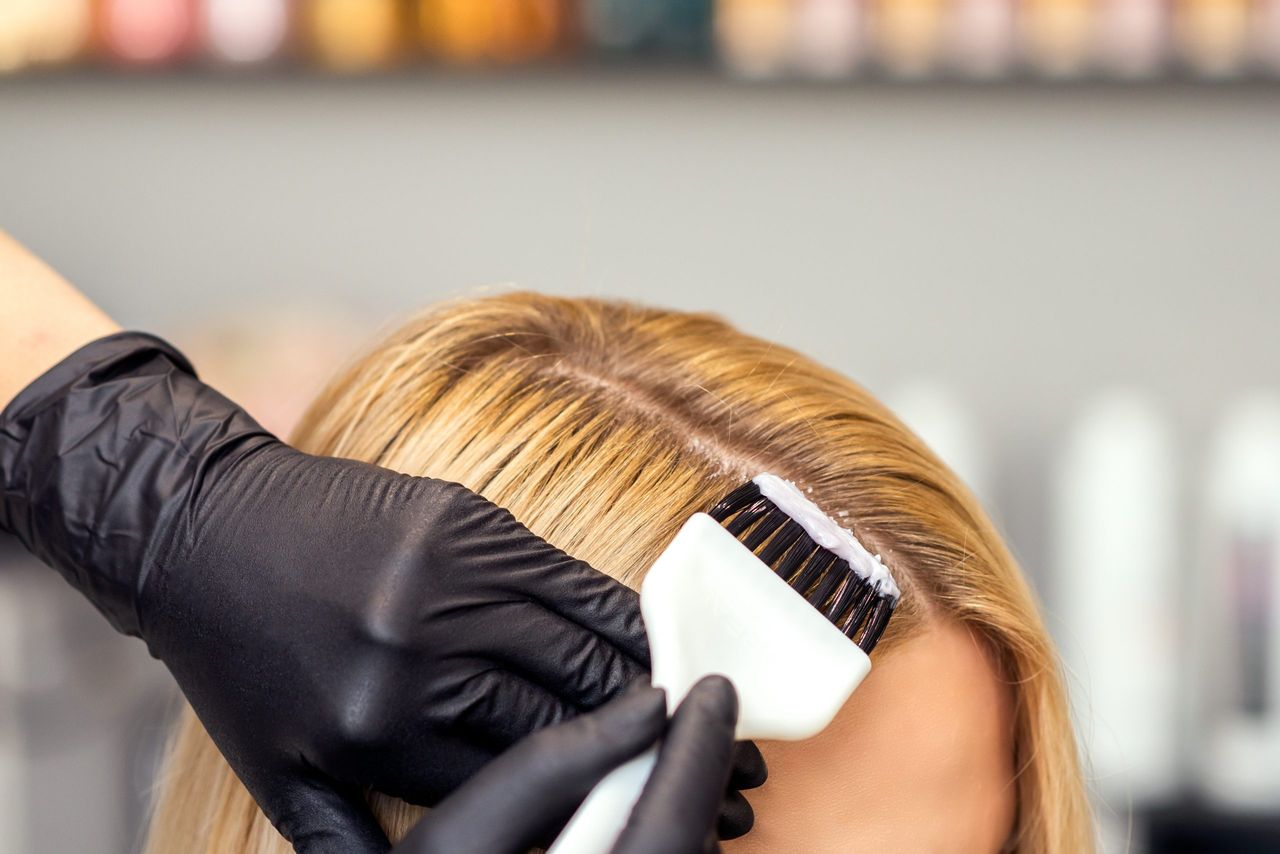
825,580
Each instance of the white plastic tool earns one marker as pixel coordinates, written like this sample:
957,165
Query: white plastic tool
711,606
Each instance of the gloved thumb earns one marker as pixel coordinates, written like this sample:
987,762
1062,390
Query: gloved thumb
320,816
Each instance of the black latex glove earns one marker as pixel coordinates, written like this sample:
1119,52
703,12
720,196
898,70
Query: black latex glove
334,625
524,796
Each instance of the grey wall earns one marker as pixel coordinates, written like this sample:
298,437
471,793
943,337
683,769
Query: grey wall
1028,244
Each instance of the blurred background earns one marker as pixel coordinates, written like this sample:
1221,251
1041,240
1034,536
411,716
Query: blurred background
1045,231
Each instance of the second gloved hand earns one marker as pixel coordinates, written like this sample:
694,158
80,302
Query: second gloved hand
522,798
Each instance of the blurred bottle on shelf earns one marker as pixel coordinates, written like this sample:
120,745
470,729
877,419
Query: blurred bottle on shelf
908,35
829,37
1132,35
526,30
668,27
63,31
353,36
148,32
753,37
1212,36
456,31
14,36
1058,36
619,26
43,32
980,37
1265,26
1237,609
505,31
243,32
1115,546
686,28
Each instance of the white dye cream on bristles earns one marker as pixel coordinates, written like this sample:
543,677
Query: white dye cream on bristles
824,531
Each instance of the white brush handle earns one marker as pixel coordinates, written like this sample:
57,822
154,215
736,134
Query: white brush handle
711,606
598,823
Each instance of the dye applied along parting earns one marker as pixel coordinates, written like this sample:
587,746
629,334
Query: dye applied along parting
824,531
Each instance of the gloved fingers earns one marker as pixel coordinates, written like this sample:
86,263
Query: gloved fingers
499,708
749,772
527,793
749,768
573,663
594,601
736,817
677,811
500,547
497,547
320,816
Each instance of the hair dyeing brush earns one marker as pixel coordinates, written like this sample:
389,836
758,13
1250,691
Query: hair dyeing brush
769,591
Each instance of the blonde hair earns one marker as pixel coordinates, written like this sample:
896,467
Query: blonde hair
603,426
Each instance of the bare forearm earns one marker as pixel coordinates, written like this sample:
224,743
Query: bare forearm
42,318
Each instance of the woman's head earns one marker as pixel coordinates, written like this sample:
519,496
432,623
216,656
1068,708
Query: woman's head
603,426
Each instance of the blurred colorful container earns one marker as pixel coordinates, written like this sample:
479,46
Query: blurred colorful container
354,35
503,31
149,32
244,32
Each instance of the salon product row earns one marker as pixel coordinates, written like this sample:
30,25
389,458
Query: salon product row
757,39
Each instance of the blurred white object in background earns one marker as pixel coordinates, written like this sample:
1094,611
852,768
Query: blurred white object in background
980,36
13,805
1115,542
1131,37
937,415
246,31
828,37
1238,607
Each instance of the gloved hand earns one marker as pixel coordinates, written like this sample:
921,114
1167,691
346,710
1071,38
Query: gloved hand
523,797
334,625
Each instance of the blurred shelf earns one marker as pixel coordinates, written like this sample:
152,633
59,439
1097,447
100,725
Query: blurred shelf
612,72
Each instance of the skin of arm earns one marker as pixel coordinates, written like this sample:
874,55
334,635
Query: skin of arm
43,318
